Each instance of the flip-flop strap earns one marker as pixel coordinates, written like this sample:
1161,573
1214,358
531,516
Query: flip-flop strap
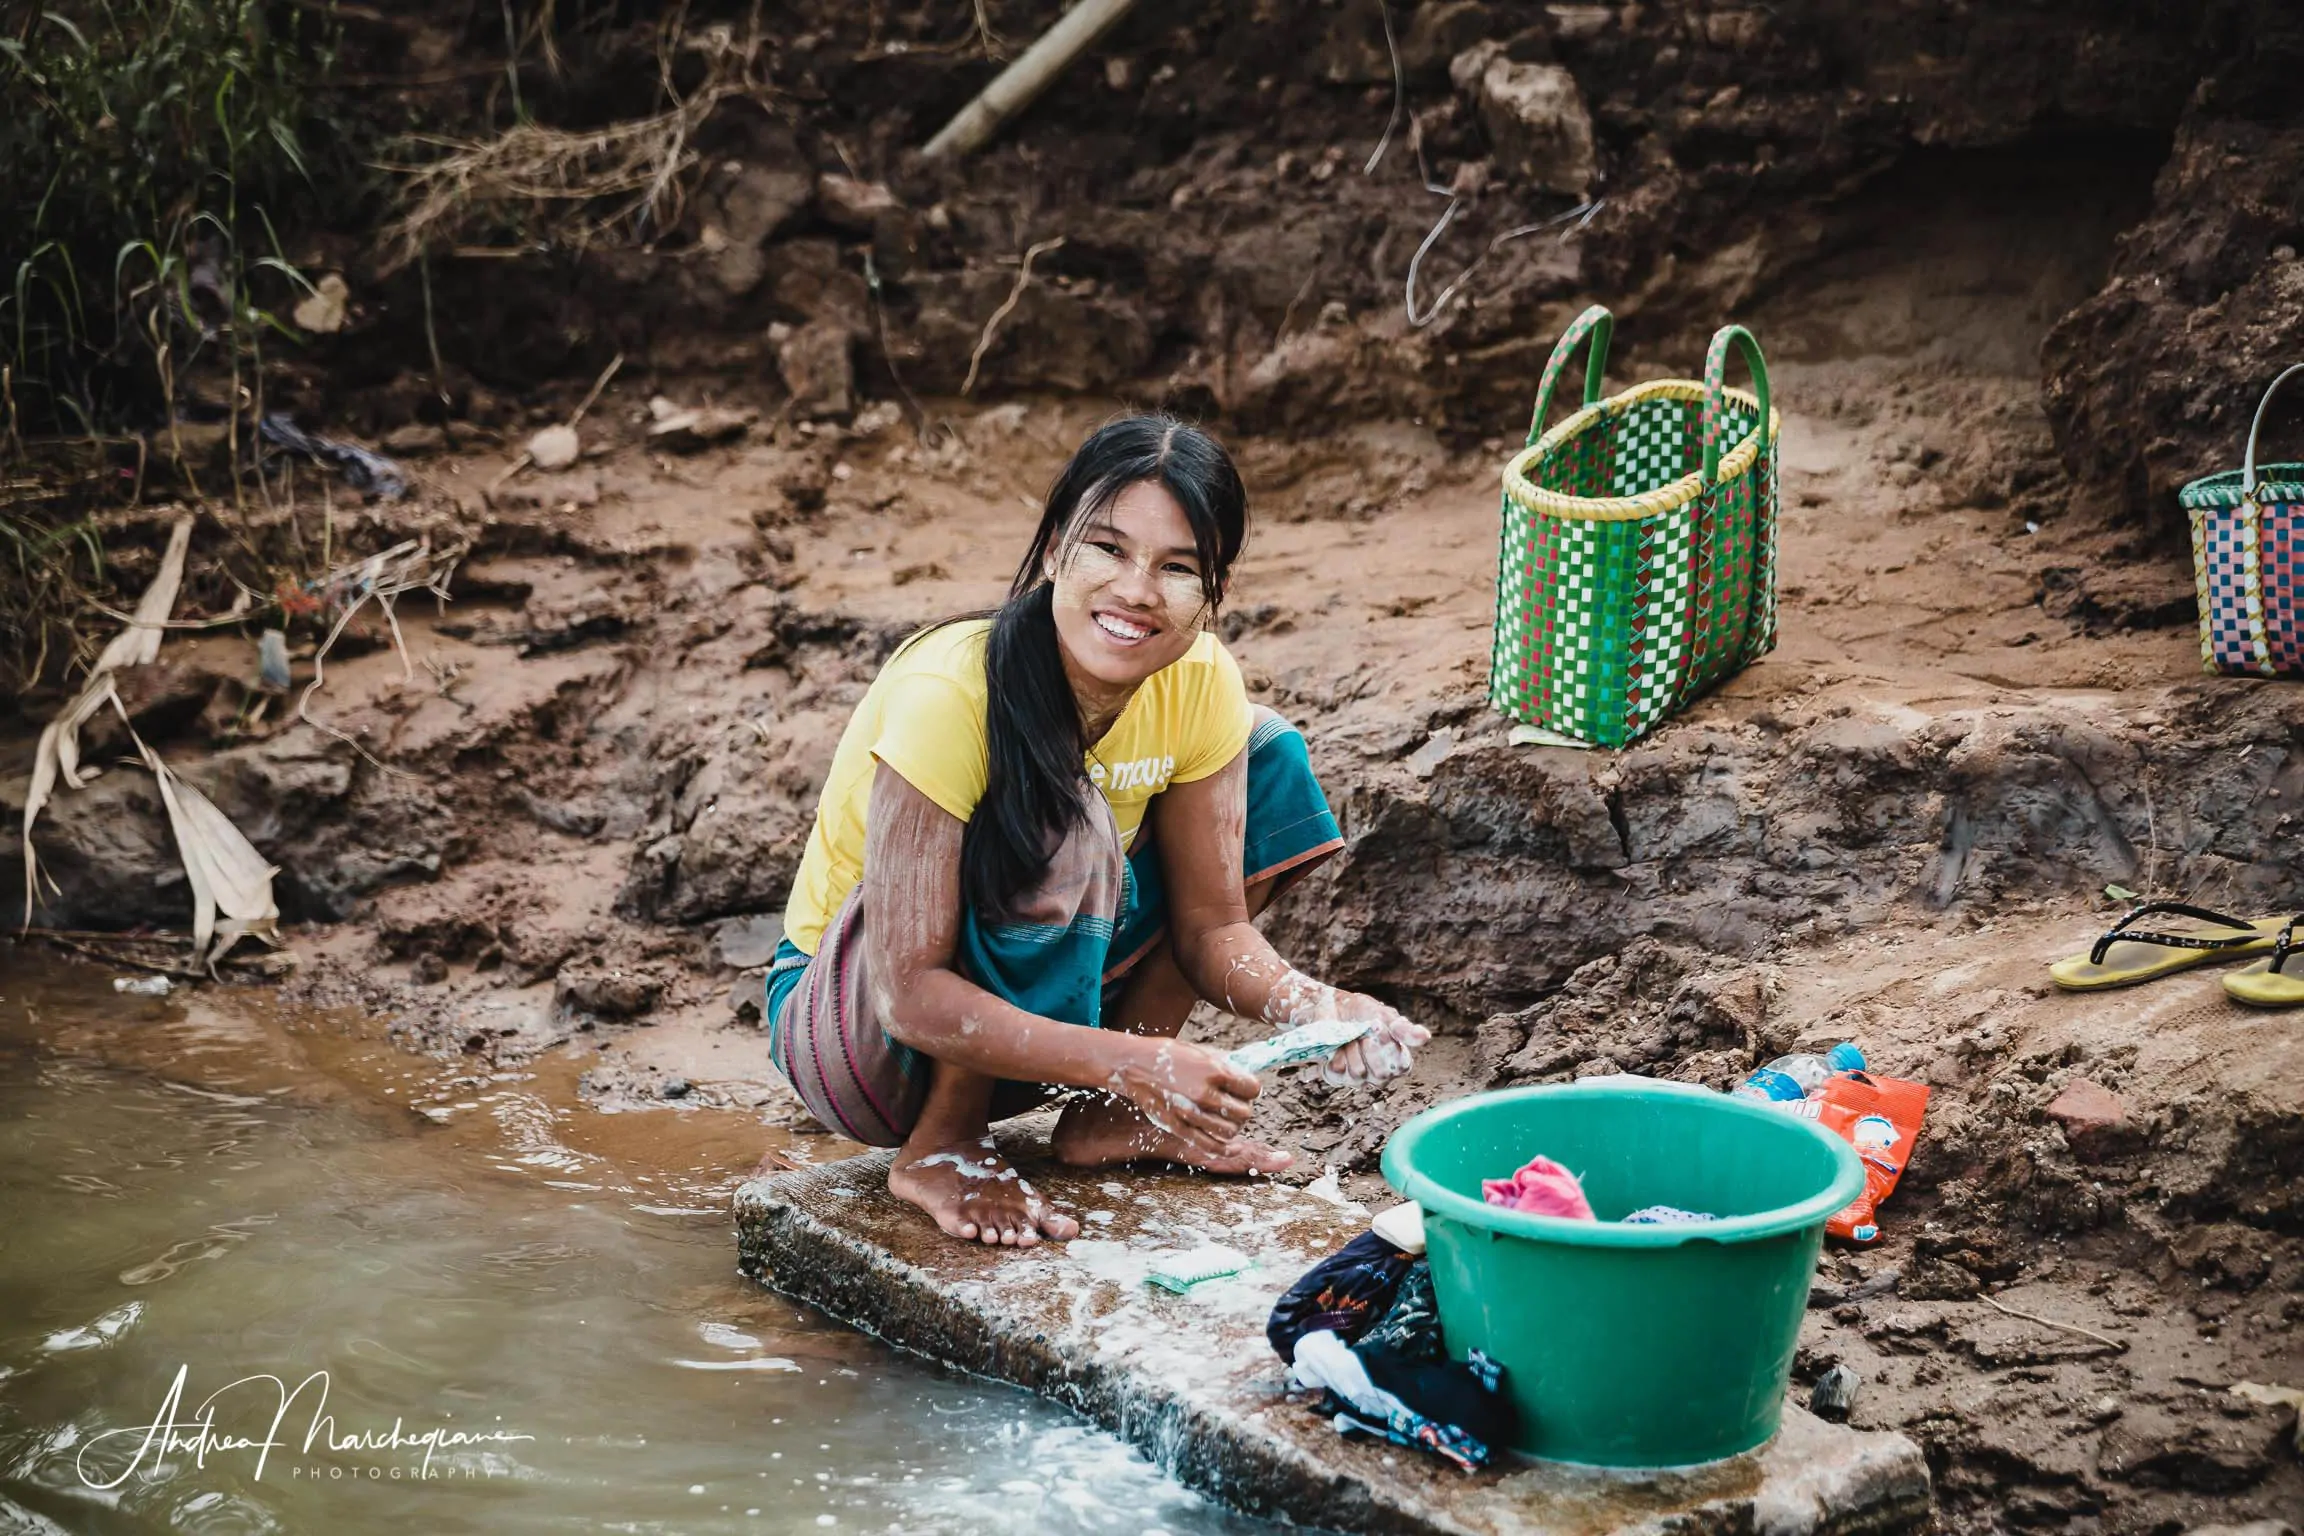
2121,933
2285,945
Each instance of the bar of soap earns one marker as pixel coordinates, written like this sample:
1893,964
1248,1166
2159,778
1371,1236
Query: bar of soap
1306,1042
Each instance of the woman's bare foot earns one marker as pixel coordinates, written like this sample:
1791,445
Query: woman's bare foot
976,1195
1102,1130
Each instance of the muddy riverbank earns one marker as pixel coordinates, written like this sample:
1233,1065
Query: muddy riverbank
2018,276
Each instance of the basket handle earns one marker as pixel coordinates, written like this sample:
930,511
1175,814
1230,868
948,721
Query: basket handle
1595,326
1716,380
2248,465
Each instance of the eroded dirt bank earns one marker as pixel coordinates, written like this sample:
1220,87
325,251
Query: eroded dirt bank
567,831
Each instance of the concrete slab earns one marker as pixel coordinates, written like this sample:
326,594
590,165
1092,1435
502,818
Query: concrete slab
1192,1383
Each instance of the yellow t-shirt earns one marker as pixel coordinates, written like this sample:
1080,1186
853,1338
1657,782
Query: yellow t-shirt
924,717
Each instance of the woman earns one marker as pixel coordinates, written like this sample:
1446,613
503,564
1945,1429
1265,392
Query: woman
1042,839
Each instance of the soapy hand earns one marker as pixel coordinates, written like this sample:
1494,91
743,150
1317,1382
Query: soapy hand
1380,1055
1189,1091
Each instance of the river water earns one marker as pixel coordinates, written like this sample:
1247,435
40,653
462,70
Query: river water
210,1200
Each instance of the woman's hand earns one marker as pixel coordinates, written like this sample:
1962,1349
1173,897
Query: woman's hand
1383,1052
1190,1091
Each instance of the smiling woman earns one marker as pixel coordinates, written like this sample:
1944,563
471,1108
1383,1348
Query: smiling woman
1043,836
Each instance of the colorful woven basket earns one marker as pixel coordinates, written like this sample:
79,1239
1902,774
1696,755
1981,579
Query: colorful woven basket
2248,560
1639,557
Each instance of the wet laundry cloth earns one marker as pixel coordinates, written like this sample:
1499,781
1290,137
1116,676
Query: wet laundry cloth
1410,1326
1342,1294
1323,1360
1405,1354
1542,1187
1463,1396
1418,1434
1666,1216
1363,1325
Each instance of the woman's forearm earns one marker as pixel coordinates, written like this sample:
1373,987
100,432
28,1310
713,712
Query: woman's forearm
949,1017
1236,967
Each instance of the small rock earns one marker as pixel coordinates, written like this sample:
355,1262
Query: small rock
675,1088
854,205
415,439
322,311
818,368
686,431
1437,32
2092,1115
609,994
1534,116
746,942
750,207
1435,751
429,970
1835,1393
748,998
555,447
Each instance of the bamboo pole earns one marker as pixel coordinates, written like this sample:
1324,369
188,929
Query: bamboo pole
1021,83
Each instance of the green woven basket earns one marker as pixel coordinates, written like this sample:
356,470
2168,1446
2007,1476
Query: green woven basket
1639,555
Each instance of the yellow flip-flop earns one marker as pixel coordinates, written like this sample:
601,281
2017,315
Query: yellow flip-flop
2267,983
2127,955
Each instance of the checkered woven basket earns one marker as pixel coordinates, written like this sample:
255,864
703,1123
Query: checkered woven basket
2248,560
1639,558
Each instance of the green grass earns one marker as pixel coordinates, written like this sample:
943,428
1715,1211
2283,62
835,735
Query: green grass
143,143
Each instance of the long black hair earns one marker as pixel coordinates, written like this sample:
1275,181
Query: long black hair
1033,788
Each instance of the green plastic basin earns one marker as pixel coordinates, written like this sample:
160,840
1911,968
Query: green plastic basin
1628,1346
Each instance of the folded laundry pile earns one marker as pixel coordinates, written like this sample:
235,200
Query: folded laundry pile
1363,1326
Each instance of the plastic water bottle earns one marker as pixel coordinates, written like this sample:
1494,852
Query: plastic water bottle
1790,1079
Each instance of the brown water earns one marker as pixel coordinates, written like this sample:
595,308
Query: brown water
211,1188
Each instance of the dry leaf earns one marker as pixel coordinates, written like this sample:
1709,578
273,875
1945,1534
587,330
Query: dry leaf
58,755
322,312
226,873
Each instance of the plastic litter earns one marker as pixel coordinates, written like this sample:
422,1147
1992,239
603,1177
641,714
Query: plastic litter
143,986
1880,1118
362,470
1789,1079
272,661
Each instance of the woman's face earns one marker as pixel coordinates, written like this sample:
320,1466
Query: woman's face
1129,597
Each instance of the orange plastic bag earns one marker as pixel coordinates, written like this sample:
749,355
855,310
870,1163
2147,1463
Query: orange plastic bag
1880,1118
